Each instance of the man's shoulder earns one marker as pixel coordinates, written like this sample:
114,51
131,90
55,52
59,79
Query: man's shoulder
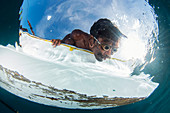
80,32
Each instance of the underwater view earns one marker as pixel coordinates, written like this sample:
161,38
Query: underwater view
85,56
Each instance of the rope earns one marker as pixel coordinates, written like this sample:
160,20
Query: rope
15,111
71,48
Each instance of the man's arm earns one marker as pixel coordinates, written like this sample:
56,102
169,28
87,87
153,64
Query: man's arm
67,39
72,38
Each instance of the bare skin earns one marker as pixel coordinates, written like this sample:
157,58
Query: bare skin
84,40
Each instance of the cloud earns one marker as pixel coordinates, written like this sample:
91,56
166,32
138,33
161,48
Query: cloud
72,14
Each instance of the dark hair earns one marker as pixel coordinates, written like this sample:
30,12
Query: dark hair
105,28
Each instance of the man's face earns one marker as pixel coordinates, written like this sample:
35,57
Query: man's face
105,49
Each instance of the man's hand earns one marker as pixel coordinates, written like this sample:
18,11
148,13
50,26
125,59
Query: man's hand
56,42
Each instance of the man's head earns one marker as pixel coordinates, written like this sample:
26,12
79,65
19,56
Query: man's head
106,38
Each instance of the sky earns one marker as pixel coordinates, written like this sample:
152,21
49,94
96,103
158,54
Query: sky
55,19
